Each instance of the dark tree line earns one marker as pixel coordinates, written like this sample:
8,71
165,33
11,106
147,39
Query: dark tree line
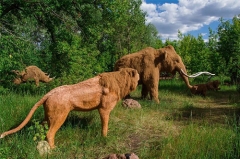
73,40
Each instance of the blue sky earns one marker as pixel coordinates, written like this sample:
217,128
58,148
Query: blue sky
189,16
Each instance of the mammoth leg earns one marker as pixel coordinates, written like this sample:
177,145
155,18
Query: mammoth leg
144,91
104,115
36,81
109,103
154,95
154,91
46,119
55,122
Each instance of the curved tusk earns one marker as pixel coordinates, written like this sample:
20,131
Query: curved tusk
197,74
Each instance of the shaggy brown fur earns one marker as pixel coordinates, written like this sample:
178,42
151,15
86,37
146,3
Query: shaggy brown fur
122,156
130,103
101,92
31,72
214,85
149,62
201,89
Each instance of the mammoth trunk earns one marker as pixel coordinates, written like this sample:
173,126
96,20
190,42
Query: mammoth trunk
46,78
185,78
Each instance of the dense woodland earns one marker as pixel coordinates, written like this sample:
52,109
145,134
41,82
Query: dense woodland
77,39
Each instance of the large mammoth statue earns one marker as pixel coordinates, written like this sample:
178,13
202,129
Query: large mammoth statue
149,62
31,72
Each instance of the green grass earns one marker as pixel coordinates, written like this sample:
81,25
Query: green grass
181,126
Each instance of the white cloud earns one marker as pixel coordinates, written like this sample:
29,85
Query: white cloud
188,15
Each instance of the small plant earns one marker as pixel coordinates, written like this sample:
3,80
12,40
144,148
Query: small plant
40,130
4,152
188,105
4,90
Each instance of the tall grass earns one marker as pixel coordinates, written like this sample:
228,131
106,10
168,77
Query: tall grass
181,126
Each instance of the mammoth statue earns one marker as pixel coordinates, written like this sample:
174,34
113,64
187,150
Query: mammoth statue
101,92
31,72
201,89
149,62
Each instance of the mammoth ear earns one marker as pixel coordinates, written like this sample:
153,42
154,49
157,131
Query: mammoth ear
162,54
165,54
133,72
23,74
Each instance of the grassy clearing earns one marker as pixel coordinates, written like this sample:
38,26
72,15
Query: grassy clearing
181,126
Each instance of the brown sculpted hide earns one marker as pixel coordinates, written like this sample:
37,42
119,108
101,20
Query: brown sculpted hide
214,85
201,89
31,72
149,62
101,92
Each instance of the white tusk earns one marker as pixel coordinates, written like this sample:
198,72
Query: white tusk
197,74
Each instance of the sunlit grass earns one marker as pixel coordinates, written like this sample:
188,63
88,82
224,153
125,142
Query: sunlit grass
200,141
181,126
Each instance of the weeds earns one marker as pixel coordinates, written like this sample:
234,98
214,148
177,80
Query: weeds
181,126
40,130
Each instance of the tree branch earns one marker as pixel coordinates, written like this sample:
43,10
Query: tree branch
10,8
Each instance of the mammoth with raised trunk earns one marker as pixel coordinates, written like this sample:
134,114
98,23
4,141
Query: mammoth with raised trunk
149,62
31,72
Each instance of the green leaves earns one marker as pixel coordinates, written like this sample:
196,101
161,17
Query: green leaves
40,130
75,40
229,46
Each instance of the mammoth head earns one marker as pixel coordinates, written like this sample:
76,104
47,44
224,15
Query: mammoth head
17,72
131,72
171,62
17,81
19,78
49,79
132,77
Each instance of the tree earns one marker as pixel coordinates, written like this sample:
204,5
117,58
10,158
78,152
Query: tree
216,62
194,53
229,45
72,40
124,31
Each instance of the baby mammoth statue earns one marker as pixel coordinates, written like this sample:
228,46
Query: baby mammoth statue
101,92
149,62
31,72
201,89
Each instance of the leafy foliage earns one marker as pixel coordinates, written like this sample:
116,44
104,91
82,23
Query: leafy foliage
229,46
72,40
40,130
75,40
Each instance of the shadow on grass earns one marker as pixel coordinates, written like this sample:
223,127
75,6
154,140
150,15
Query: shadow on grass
173,85
178,86
211,115
72,120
